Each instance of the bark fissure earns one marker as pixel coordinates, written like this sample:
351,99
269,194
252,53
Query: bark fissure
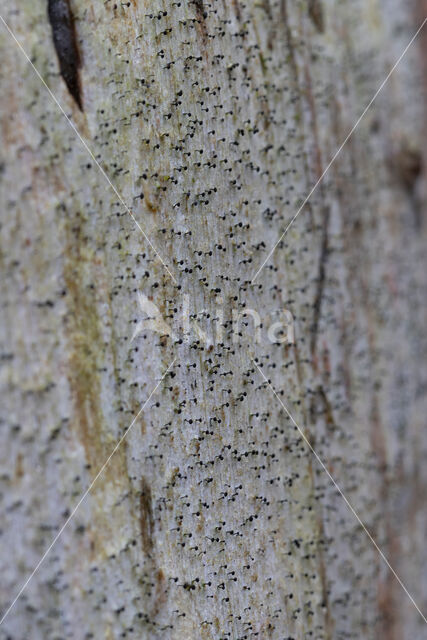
64,38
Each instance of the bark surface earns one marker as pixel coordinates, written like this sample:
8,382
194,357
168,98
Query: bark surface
213,121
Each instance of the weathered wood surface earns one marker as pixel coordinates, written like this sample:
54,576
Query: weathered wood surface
213,120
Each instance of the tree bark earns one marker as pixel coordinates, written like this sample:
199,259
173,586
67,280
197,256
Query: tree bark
213,121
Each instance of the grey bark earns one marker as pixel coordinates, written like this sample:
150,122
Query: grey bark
213,520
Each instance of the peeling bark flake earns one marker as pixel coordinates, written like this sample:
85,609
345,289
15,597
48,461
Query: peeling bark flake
315,11
64,39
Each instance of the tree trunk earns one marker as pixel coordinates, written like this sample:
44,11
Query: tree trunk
213,519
